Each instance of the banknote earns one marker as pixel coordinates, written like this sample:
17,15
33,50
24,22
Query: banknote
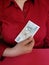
30,29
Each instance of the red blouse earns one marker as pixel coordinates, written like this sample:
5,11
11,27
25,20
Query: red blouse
13,19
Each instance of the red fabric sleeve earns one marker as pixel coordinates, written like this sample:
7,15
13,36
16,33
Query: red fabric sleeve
2,45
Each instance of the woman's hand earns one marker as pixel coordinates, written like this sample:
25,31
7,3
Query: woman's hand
20,48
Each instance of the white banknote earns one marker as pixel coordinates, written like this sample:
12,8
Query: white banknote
29,30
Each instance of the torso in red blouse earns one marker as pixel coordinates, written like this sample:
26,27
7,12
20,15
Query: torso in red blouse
14,20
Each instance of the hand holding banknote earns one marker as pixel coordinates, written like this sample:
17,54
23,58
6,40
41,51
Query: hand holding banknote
24,47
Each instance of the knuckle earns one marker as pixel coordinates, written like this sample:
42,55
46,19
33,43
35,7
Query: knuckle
30,49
